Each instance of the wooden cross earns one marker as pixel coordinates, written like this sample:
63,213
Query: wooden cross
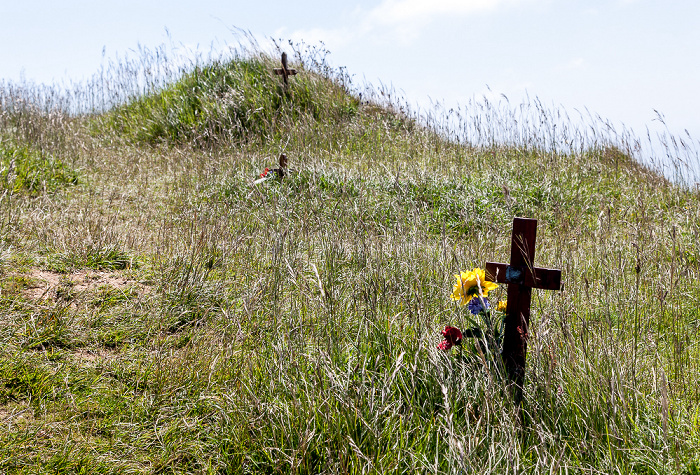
521,276
284,71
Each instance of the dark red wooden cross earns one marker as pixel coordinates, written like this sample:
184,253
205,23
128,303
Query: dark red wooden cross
284,71
521,276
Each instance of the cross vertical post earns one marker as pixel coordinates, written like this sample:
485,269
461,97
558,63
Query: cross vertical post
521,276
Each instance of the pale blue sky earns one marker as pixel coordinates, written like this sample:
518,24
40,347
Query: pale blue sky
619,58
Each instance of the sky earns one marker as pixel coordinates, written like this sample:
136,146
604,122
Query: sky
621,59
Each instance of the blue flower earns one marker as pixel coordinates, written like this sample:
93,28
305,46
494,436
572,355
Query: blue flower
475,306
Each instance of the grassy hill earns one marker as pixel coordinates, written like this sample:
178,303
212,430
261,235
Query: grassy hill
160,314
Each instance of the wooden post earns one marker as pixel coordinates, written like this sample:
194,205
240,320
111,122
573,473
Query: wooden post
521,276
284,71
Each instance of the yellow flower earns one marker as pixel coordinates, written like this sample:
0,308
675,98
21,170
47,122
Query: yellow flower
502,305
467,285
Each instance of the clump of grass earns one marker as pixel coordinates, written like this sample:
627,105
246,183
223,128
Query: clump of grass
24,170
22,380
90,256
53,329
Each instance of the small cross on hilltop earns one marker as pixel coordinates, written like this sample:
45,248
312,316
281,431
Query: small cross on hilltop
284,71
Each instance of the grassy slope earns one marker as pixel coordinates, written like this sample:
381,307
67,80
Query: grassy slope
292,327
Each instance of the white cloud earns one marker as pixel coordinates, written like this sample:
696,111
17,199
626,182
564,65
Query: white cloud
395,20
402,12
405,18
333,38
576,63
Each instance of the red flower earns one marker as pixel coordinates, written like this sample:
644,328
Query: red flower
444,345
264,174
452,337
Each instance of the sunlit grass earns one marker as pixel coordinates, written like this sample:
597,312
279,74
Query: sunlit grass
161,314
23,170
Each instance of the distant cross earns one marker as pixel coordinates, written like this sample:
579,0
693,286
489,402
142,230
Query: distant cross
521,276
284,71
270,173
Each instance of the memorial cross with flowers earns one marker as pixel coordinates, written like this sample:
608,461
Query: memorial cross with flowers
521,276
270,173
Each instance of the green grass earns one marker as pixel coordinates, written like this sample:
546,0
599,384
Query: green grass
92,257
24,170
224,101
163,315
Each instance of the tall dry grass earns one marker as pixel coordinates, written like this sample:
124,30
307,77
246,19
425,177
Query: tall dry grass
197,324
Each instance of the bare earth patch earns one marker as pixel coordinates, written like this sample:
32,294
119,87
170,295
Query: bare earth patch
14,414
93,355
48,282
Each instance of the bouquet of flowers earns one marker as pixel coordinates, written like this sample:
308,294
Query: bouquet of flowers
472,290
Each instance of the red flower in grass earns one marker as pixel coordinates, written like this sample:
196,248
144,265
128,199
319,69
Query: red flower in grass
264,174
452,337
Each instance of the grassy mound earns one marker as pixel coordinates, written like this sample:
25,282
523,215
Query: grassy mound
292,326
231,101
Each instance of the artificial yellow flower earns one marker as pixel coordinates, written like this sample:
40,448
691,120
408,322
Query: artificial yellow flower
467,286
502,306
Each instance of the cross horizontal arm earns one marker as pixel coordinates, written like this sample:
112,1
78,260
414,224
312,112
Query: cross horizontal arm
500,273
280,71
